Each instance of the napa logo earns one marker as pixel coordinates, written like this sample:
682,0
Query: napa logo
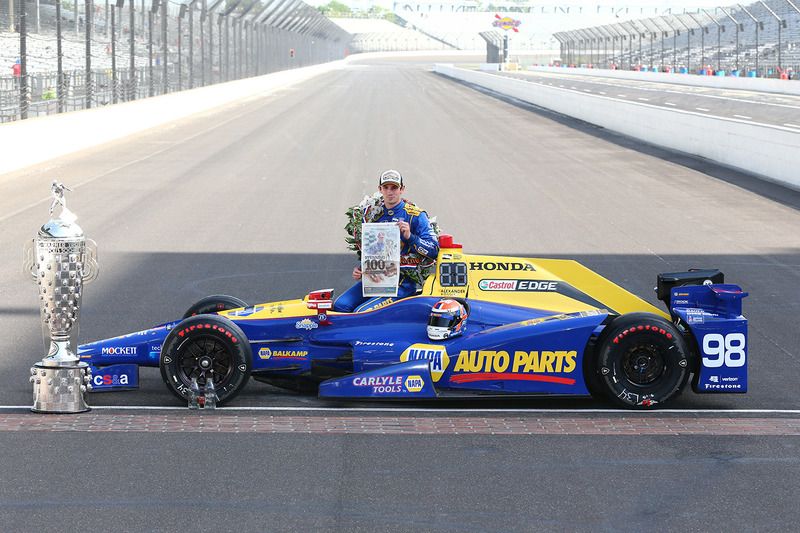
414,383
437,355
264,353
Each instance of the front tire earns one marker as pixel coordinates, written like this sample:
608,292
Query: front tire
214,304
206,347
642,361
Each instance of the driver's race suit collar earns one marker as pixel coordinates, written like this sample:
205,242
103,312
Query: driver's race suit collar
399,207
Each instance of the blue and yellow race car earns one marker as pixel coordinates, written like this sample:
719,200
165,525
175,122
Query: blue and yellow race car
528,327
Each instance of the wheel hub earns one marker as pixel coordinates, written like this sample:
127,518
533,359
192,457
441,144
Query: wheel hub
205,363
643,365
204,358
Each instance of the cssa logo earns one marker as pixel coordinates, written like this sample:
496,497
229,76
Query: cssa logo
515,266
118,350
414,383
437,355
106,380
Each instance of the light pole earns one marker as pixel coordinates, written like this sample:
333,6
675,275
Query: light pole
758,24
739,27
719,38
689,33
703,30
781,23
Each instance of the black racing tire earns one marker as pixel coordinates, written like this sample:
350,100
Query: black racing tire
642,361
203,346
214,304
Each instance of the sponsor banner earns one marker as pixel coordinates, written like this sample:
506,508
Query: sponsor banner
306,324
119,350
512,266
521,285
390,384
436,355
115,377
545,366
266,353
380,259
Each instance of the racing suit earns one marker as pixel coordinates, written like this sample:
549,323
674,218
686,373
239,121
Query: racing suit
421,242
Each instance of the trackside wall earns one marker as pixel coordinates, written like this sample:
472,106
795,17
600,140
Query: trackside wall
770,152
764,85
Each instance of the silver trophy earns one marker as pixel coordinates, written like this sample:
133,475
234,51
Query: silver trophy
61,260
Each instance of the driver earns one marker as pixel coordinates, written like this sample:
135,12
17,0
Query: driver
419,243
448,319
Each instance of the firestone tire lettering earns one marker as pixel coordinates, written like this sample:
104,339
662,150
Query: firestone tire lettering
237,355
642,361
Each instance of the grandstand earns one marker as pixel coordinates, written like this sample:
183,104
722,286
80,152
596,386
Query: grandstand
460,22
757,39
379,35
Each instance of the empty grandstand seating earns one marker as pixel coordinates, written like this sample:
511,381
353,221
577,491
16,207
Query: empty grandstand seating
379,35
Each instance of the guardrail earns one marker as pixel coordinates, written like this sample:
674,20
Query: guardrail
771,152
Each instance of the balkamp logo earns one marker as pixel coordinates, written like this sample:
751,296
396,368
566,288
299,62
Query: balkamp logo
414,383
506,23
437,355
267,353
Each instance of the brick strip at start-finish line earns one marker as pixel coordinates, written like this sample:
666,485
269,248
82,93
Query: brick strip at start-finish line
217,422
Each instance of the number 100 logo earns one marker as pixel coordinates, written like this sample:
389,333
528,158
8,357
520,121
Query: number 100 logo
724,350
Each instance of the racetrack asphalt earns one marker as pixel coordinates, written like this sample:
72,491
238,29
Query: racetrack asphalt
249,200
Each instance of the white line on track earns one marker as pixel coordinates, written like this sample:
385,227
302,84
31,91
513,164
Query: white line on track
620,412
702,109
743,116
601,92
670,103
643,99
622,96
574,88
683,92
792,125
587,90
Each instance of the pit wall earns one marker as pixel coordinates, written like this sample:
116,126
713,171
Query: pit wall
769,152
764,85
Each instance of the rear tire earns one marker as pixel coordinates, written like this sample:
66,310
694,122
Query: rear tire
203,347
642,361
214,304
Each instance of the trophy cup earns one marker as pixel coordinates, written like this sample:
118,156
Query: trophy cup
61,260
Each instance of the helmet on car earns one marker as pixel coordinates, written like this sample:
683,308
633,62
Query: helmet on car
448,319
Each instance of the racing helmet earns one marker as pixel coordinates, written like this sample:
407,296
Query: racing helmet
448,319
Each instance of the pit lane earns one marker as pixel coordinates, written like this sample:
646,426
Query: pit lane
249,201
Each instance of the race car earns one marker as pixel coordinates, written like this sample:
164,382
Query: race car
526,327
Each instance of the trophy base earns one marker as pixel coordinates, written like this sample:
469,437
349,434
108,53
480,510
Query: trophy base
60,389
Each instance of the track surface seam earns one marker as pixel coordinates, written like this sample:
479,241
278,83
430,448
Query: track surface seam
207,422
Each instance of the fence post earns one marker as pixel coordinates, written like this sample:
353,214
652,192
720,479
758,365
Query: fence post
24,100
132,58
89,81
60,88
164,47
